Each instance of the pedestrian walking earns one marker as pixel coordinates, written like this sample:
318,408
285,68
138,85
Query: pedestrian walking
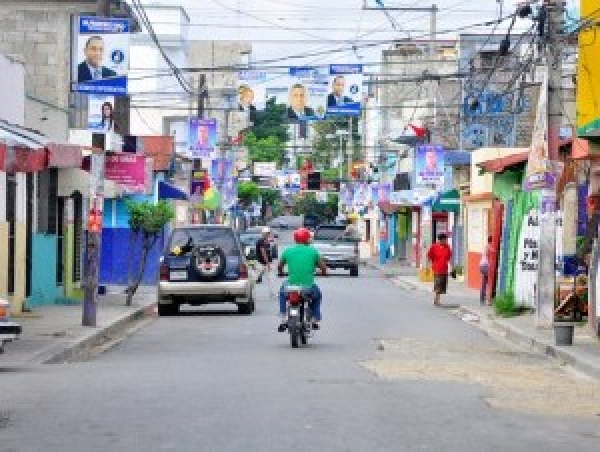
439,255
484,269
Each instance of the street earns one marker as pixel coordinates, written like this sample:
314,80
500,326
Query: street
216,381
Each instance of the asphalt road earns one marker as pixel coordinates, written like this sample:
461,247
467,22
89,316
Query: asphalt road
216,381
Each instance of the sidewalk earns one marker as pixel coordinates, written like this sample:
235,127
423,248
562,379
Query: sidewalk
52,334
583,355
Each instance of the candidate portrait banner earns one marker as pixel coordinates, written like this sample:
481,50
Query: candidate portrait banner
101,113
345,90
100,58
429,165
202,137
251,91
307,94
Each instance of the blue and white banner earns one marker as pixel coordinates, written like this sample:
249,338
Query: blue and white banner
101,56
307,94
101,113
252,91
345,90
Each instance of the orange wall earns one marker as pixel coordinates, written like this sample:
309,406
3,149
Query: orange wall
473,274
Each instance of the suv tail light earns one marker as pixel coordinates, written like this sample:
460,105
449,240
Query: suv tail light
164,272
243,271
294,297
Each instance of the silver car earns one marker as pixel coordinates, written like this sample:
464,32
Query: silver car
204,264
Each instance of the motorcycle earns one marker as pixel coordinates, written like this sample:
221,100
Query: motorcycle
299,315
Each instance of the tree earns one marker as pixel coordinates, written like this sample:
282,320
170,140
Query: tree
308,204
268,149
146,221
248,192
272,122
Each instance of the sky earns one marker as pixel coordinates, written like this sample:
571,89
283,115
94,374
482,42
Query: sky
282,28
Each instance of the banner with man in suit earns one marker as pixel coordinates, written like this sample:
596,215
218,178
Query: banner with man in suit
345,95
307,93
101,56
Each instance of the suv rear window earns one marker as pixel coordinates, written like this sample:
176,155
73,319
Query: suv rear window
222,237
330,233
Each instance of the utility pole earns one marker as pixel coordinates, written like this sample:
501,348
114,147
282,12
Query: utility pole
547,246
95,212
350,148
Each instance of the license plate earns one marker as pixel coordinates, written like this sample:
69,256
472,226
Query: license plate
178,275
294,311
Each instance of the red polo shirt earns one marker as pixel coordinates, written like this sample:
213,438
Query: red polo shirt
440,256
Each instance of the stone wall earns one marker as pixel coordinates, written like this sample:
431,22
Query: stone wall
39,32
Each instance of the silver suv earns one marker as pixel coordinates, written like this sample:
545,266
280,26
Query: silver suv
204,264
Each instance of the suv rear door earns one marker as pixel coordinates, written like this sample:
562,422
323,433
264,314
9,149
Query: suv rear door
181,266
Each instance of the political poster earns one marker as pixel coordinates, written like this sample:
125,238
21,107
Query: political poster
345,90
202,137
429,165
252,91
100,58
221,170
101,113
307,94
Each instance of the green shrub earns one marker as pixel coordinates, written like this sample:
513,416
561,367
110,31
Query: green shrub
505,305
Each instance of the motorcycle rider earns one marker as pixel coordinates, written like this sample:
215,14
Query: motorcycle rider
302,260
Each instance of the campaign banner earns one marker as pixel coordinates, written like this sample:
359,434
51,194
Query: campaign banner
101,113
429,165
202,137
307,94
127,170
252,91
101,55
221,170
345,90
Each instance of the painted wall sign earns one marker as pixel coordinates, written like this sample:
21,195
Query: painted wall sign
528,256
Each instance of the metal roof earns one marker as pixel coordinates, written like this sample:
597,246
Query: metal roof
21,136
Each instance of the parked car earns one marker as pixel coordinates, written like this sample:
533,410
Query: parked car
279,223
204,264
9,330
338,246
255,233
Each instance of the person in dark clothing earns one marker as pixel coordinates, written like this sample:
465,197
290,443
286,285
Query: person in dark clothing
263,252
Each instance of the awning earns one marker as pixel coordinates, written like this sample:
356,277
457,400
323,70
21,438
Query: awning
168,191
74,179
501,164
449,201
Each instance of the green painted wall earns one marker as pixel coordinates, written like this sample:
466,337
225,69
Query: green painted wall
44,289
523,203
504,184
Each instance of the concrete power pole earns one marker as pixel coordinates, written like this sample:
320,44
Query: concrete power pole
547,259
94,233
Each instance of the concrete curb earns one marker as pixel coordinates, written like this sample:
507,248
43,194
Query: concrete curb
100,335
541,346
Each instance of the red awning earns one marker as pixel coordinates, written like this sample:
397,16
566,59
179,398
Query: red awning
19,159
64,155
501,164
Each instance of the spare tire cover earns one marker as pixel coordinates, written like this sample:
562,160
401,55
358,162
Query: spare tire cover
209,261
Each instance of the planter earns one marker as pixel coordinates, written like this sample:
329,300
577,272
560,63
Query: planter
564,333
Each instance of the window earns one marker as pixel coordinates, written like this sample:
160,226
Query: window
224,238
